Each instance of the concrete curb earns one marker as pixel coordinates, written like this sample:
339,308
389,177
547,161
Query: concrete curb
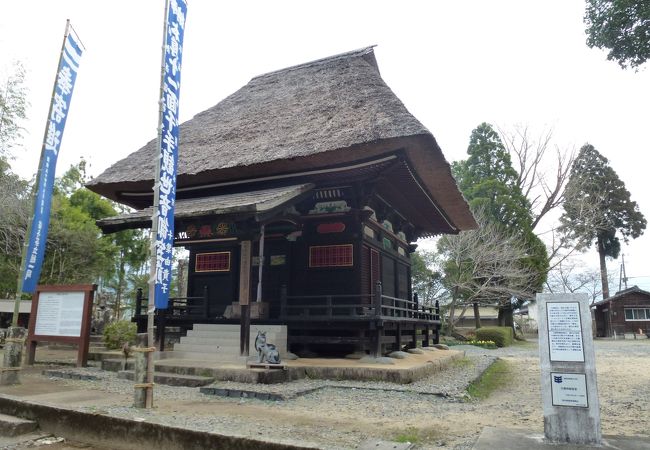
124,434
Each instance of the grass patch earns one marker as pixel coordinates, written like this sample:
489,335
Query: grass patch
495,377
462,362
415,436
524,344
410,435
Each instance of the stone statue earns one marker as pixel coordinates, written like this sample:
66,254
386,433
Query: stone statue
266,353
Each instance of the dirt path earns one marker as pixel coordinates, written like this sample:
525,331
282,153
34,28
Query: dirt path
342,417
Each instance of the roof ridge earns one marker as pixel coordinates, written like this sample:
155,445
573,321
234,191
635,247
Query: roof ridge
353,53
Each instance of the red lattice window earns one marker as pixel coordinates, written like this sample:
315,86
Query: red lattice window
212,262
330,256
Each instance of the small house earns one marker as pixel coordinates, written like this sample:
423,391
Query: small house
627,312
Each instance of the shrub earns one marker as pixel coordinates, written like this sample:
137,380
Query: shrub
501,336
118,333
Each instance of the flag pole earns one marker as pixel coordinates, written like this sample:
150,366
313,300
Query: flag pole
154,228
28,231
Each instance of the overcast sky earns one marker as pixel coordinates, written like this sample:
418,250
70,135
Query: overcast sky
453,64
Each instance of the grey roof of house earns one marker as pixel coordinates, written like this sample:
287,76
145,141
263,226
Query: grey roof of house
622,294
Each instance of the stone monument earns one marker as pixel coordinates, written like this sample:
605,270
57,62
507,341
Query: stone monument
568,370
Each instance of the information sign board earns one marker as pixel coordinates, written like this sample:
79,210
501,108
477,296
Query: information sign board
61,314
565,331
569,389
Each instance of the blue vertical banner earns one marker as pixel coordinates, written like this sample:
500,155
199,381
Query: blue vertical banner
63,87
169,125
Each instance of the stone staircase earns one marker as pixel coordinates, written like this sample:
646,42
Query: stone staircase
221,342
207,343
97,351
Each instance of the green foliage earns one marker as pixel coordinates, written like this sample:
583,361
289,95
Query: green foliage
427,281
118,333
490,184
622,27
598,205
76,252
495,377
501,336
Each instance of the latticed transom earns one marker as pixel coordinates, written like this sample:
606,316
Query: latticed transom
212,262
331,256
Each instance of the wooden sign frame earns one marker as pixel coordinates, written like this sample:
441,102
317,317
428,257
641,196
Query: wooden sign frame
82,341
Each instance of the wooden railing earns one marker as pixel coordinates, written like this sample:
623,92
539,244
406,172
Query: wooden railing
375,305
191,307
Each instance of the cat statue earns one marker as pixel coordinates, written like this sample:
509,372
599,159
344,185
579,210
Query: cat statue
266,352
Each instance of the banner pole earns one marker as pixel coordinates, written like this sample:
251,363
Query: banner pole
28,231
154,227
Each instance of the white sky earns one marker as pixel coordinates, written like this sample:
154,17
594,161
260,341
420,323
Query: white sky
453,64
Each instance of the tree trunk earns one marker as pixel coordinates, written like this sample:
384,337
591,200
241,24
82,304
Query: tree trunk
477,317
452,311
603,269
506,318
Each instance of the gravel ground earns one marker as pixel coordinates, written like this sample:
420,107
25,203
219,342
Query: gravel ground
343,414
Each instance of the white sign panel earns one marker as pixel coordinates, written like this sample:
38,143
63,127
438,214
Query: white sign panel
59,314
565,331
569,389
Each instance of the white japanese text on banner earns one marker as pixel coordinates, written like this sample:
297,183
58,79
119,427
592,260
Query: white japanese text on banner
171,83
64,85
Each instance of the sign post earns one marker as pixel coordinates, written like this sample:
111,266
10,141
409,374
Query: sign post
568,370
61,314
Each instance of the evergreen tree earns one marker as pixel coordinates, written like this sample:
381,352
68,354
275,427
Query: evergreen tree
490,184
597,206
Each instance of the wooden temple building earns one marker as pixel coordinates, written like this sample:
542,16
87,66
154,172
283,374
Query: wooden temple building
318,179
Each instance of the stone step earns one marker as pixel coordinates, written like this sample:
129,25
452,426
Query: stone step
235,327
171,379
229,341
96,338
15,426
115,365
207,349
105,354
227,334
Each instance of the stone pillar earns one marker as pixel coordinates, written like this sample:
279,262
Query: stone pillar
13,356
140,371
568,370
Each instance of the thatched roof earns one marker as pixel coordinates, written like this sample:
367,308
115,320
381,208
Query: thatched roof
331,111
242,204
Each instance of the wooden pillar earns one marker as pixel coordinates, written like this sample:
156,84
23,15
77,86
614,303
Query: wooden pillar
425,341
398,336
379,332
244,297
283,301
206,302
138,302
377,299
161,319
